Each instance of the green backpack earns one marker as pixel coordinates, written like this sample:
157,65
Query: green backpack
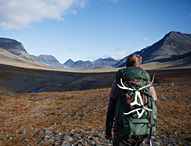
135,110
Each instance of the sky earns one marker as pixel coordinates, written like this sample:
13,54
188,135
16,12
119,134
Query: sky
91,29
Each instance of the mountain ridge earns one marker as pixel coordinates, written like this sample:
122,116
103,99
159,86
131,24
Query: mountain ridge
173,49
171,45
48,60
15,48
99,63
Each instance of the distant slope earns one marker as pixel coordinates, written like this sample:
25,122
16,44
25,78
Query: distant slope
174,48
13,53
8,58
97,64
104,62
15,48
172,44
48,60
69,63
80,64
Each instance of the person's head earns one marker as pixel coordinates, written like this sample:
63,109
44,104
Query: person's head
134,60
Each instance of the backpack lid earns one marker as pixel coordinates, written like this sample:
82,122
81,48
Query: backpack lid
131,73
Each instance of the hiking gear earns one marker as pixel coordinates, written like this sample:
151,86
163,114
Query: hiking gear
128,142
135,110
137,94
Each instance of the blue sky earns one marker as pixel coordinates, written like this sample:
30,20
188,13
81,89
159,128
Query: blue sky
91,29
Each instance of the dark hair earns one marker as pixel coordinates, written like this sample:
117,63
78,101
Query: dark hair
134,60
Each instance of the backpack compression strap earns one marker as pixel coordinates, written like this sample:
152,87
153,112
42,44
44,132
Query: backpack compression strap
137,95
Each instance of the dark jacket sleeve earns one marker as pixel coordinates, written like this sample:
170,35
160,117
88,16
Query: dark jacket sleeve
111,108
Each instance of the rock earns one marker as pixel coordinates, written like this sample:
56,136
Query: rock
93,129
46,131
47,137
157,143
59,133
162,97
24,131
68,138
65,144
172,84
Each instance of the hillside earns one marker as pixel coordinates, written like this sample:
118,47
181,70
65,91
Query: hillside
173,49
171,45
13,53
14,47
10,59
48,60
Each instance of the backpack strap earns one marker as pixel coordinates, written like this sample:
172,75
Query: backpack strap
151,126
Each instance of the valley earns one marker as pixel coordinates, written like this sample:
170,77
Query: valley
44,102
23,80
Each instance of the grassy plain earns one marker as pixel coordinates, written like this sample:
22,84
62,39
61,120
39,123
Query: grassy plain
24,115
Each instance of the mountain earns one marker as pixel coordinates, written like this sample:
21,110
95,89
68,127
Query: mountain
69,63
16,53
174,48
172,44
13,53
121,63
48,60
8,58
78,64
99,63
15,48
104,62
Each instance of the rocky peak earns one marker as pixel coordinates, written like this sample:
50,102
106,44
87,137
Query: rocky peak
172,44
48,58
11,45
14,47
68,62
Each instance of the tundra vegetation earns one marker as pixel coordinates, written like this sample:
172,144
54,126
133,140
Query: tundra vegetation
78,117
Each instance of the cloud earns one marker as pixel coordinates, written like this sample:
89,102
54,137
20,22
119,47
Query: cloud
17,14
146,39
92,58
119,49
113,1
119,55
68,49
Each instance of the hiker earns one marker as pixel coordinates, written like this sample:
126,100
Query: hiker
133,115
